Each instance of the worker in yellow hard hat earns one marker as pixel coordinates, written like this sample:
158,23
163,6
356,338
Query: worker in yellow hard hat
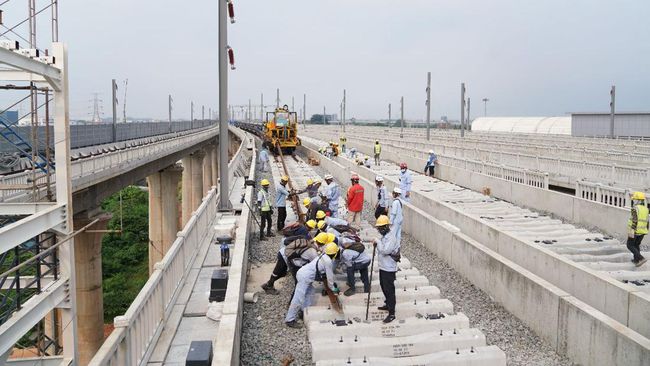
264,200
322,268
388,251
637,227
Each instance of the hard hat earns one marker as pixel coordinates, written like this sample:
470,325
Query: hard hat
265,182
331,249
328,177
397,190
320,214
284,178
355,176
321,224
330,238
403,166
430,151
382,221
638,196
376,141
311,224
366,158
310,181
306,202
321,238
379,178
316,181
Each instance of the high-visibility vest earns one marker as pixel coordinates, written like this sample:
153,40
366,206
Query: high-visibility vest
642,220
266,205
377,149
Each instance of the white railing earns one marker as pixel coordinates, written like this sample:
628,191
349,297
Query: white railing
132,341
94,164
598,192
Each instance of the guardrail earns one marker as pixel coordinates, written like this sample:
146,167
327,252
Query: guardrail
598,192
135,332
93,164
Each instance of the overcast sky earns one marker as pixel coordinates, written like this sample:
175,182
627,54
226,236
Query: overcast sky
530,58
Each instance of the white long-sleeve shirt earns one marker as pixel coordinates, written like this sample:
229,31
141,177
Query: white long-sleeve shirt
386,246
405,182
382,201
350,257
324,264
396,215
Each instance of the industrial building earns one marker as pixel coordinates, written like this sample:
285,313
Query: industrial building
626,124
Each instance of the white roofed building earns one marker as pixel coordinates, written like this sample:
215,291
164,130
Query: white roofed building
543,125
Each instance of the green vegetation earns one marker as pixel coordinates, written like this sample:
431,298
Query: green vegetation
125,256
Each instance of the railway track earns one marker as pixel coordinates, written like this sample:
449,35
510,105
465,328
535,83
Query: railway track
427,330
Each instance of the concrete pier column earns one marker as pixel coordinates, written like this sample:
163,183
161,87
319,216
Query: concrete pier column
207,169
163,212
90,302
186,195
197,178
215,165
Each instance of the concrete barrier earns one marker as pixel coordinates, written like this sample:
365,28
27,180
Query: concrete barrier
551,312
475,356
226,344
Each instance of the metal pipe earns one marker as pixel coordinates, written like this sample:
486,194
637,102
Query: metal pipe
428,105
612,106
114,90
462,110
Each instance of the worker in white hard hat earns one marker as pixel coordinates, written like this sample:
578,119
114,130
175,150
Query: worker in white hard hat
381,208
333,192
396,216
431,164
319,269
266,210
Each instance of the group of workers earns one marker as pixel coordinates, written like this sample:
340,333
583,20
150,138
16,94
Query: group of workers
326,244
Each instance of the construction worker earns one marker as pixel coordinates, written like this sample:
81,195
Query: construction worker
366,162
283,263
387,256
396,215
637,227
336,151
431,164
381,208
355,262
354,201
353,152
281,201
264,159
343,142
315,270
377,152
405,182
266,213
333,192
312,188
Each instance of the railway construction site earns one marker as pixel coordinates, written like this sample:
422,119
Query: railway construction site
488,277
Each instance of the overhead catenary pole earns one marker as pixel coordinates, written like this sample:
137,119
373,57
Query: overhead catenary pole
428,105
304,110
203,113
401,131
169,101
469,125
224,139
114,90
277,98
612,112
292,105
324,115
191,111
462,110
249,111
262,107
343,109
389,115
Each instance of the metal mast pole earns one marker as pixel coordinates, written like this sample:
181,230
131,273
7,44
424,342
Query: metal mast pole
262,108
401,131
612,106
191,111
277,98
114,90
389,115
344,107
462,110
169,101
324,116
485,100
428,105
304,110
203,113
224,140
249,111
293,109
469,100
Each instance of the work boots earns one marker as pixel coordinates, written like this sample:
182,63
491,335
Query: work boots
269,289
349,292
